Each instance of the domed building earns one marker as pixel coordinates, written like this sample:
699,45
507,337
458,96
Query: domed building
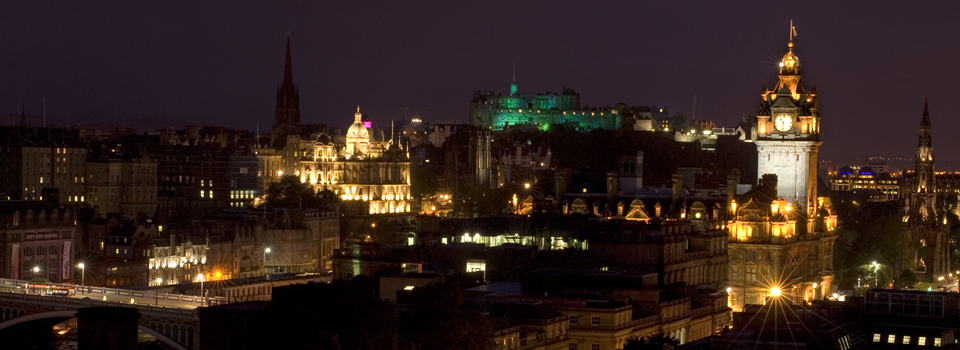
358,138
371,176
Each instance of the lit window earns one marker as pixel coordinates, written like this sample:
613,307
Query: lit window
595,320
891,338
876,337
203,193
936,341
906,340
921,340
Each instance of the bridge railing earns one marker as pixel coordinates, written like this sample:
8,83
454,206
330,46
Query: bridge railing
59,301
88,290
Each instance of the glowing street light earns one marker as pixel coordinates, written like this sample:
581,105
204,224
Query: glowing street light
82,273
526,185
265,252
156,294
775,291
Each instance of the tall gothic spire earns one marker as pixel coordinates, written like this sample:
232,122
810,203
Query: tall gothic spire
288,69
926,141
288,97
924,160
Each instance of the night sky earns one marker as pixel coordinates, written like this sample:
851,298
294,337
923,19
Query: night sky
220,62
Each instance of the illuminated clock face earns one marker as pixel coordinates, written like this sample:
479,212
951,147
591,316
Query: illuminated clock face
783,122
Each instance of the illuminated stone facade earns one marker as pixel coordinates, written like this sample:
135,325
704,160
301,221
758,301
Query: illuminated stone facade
36,234
781,232
925,213
497,112
122,182
371,177
34,159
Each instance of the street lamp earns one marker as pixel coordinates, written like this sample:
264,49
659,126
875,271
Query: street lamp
156,294
82,273
526,185
265,252
203,276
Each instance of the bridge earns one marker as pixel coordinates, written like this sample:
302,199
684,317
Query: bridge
171,318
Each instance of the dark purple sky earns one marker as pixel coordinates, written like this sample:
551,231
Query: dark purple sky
219,62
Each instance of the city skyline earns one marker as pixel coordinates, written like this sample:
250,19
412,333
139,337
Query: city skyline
221,65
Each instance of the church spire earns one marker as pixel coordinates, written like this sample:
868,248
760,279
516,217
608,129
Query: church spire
288,68
288,97
924,159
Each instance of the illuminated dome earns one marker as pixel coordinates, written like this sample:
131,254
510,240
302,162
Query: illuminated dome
357,129
790,64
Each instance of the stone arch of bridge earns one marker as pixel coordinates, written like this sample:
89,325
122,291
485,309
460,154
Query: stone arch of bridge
73,313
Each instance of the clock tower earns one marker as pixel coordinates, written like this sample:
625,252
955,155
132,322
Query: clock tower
788,139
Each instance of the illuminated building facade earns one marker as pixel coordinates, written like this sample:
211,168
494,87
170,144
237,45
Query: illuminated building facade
881,186
781,232
497,112
925,213
37,234
120,181
34,159
371,177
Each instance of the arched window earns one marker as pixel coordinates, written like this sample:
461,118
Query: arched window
40,251
27,251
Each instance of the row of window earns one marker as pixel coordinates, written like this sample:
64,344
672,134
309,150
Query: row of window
594,320
906,339
52,250
593,346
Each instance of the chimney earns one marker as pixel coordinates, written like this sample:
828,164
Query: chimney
612,187
733,178
675,180
770,184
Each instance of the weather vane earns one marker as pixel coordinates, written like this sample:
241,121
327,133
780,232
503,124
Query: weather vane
793,31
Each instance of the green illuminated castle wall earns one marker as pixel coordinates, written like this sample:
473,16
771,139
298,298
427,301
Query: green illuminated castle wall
495,111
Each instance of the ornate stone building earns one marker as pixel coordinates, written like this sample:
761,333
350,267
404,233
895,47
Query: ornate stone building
925,214
781,232
371,177
37,234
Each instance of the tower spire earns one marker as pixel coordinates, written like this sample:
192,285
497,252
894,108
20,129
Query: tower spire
288,97
288,68
356,117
